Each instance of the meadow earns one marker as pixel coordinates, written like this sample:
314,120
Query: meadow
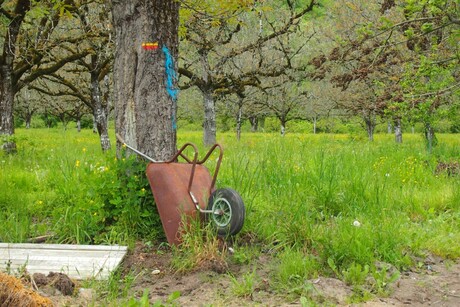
324,205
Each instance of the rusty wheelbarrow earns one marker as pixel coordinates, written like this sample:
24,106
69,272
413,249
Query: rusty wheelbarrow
184,189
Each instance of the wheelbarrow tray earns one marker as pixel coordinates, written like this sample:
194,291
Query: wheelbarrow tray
169,184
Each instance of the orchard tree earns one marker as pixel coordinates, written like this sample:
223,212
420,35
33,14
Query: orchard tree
228,46
407,51
366,71
30,49
87,79
285,100
145,93
27,104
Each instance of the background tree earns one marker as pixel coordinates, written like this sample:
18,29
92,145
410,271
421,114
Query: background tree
30,49
385,48
27,104
229,54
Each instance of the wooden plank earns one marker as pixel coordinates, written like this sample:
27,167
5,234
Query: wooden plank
76,261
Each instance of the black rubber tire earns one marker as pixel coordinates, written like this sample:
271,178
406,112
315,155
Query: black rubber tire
229,204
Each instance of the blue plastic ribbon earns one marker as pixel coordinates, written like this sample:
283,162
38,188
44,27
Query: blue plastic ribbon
170,79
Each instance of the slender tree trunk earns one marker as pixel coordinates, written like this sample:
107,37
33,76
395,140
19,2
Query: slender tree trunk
283,127
28,120
99,111
370,127
389,128
398,130
238,123
430,136
78,125
314,124
209,124
254,123
144,79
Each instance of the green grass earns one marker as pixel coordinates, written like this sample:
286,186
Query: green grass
304,196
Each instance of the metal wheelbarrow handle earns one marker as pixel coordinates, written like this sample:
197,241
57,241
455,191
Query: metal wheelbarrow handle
193,161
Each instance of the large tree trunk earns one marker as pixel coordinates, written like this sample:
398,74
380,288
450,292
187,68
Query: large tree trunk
6,108
7,80
209,124
144,82
100,118
398,130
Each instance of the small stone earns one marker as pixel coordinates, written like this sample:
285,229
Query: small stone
231,250
86,294
356,224
156,272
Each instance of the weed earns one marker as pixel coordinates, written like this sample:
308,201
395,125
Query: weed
382,279
244,286
293,271
356,274
199,248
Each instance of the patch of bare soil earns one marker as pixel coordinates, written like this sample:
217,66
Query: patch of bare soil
436,283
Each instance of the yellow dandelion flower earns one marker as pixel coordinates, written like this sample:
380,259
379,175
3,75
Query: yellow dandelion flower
84,149
77,163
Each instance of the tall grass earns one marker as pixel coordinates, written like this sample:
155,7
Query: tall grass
332,204
308,191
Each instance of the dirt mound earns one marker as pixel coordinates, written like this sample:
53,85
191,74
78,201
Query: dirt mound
13,293
58,280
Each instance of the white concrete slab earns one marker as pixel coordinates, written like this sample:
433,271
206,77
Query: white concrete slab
76,261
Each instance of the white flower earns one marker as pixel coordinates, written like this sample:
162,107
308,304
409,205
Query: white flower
356,223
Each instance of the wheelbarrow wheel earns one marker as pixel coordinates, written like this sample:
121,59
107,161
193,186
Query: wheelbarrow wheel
228,212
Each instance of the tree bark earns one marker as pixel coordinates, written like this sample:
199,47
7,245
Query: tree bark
314,124
398,130
6,107
100,118
28,121
430,137
209,125
370,127
144,107
238,123
254,123
283,127
7,79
